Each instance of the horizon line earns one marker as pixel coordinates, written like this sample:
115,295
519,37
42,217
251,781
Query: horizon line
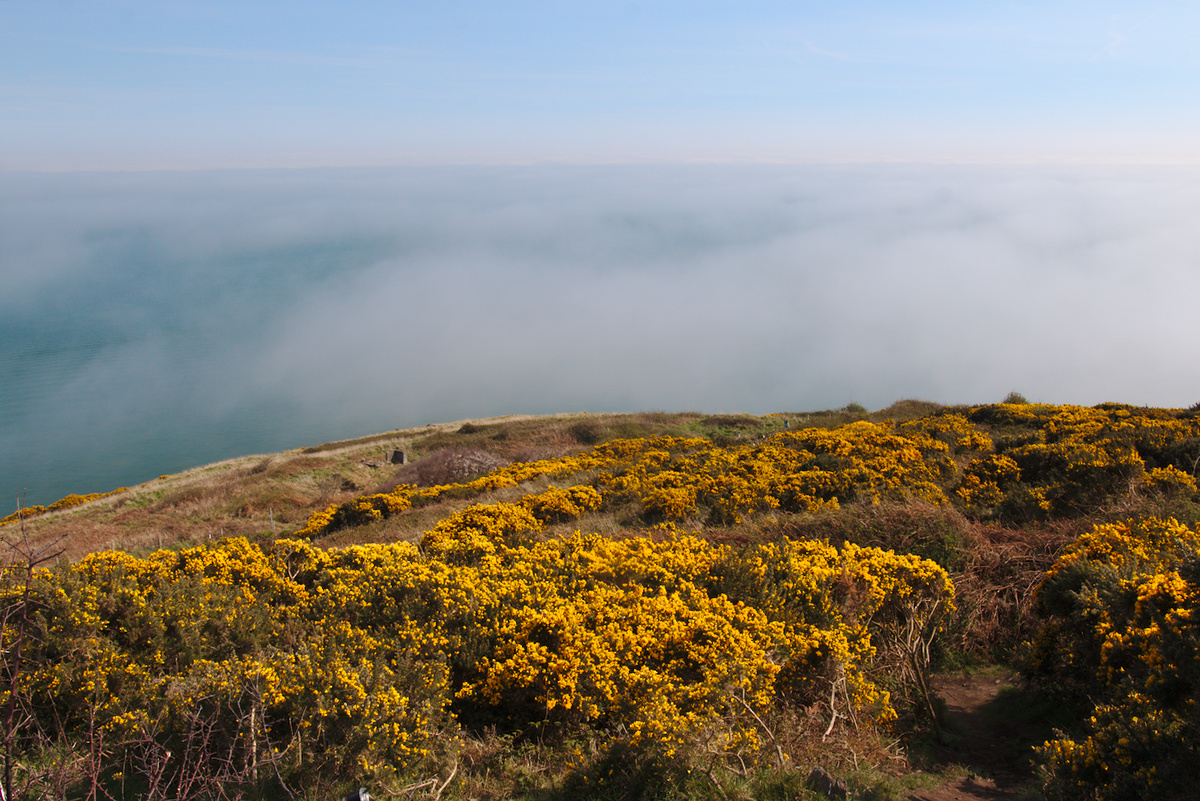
252,166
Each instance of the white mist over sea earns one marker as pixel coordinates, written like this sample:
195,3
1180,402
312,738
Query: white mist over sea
150,322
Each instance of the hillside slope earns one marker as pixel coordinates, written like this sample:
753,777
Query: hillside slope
259,494
654,605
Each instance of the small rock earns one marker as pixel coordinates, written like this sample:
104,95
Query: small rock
827,785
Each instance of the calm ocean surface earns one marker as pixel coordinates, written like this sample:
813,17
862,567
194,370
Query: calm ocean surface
154,322
136,369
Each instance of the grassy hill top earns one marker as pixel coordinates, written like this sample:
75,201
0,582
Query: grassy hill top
255,495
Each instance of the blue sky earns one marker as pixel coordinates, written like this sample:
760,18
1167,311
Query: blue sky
140,85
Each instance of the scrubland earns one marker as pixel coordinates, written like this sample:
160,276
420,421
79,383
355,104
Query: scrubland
618,606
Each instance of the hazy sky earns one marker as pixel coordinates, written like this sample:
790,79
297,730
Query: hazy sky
134,85
605,206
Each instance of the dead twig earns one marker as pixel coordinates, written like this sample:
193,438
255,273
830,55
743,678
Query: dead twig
446,783
770,734
834,714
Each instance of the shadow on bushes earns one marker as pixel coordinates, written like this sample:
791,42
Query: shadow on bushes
629,773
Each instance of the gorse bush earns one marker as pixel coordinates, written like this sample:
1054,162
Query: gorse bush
251,666
675,478
64,503
232,655
1012,462
586,432
1122,635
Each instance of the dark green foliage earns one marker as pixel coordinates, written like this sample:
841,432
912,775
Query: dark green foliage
938,533
627,773
1182,454
1119,640
586,432
735,421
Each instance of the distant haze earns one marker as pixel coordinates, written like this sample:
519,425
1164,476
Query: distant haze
114,85
154,321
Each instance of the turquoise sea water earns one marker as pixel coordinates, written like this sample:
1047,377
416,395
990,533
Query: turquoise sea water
153,322
137,370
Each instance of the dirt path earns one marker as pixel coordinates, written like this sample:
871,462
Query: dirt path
988,739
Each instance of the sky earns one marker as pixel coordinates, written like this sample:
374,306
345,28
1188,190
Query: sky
231,228
104,85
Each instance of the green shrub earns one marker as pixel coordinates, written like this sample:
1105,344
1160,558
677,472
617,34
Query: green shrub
586,432
1122,634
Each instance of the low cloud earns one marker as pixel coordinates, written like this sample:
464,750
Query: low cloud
176,318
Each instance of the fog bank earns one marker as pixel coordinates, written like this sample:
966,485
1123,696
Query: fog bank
155,321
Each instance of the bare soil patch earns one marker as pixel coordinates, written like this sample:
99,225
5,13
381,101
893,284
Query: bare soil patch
991,725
